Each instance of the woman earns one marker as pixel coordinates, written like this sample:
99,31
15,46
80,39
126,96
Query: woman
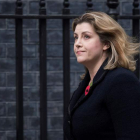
106,105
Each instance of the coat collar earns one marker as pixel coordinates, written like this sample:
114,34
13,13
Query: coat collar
98,74
78,98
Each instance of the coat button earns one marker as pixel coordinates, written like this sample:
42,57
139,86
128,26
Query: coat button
69,122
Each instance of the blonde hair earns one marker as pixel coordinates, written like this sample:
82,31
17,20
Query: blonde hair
123,48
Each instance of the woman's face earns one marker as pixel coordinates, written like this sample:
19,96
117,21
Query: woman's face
87,46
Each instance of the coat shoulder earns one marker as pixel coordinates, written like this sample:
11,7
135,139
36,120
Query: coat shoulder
122,73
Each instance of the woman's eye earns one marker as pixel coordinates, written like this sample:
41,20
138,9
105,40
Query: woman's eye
75,37
86,37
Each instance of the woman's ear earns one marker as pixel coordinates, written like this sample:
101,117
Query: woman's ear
106,45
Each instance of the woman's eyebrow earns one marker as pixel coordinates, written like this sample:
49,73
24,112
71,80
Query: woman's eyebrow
83,32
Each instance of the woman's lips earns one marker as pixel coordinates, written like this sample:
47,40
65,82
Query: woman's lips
79,52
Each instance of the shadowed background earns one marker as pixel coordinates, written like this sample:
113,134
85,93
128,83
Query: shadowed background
54,51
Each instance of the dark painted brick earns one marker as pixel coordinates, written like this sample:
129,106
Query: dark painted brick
2,109
29,135
30,109
55,123
11,23
55,108
81,7
2,79
24,64
71,20
25,36
54,50
27,23
54,65
34,36
7,124
11,80
11,135
54,7
8,7
72,54
125,23
11,52
33,65
2,50
100,6
8,36
127,8
2,23
29,50
55,94
54,24
34,123
7,94
53,79
72,79
26,124
37,135
31,94
37,50
29,79
11,109
55,135
54,36
71,37
75,66
52,135
2,135
7,65
33,7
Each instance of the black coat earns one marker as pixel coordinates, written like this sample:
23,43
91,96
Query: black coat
110,111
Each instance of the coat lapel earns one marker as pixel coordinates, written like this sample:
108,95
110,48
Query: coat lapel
78,96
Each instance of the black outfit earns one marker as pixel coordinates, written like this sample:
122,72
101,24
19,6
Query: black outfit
111,109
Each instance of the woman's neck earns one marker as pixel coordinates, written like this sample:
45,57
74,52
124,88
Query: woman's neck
94,68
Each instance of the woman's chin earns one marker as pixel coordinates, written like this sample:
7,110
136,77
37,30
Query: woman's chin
81,61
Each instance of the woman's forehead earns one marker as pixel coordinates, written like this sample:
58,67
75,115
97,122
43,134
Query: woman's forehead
84,27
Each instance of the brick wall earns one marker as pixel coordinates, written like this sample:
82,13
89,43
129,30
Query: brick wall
31,66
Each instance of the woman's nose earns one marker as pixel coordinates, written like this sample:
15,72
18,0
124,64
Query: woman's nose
78,43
